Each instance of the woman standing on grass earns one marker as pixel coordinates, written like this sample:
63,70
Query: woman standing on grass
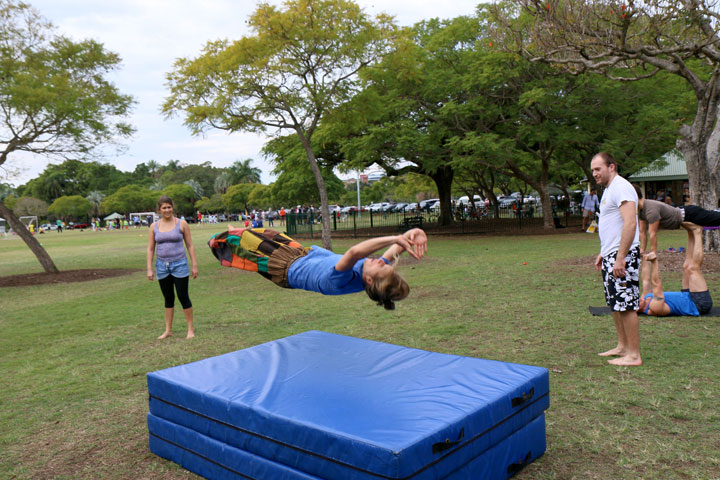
171,265
288,264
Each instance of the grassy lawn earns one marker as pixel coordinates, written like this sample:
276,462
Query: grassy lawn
73,357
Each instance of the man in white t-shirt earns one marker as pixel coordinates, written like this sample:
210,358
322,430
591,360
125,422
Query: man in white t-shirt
619,257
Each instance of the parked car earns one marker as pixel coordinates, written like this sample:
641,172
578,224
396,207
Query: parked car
399,207
411,207
48,226
348,209
79,225
428,203
465,200
377,207
507,202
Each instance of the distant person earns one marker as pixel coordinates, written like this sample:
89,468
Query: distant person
590,204
59,224
168,235
619,257
283,213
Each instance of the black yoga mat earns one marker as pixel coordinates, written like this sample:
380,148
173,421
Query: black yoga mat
598,311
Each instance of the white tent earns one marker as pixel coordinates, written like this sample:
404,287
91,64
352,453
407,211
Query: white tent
113,216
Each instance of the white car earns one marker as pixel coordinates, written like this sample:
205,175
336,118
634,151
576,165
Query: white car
465,200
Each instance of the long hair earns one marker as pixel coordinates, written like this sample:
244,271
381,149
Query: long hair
388,290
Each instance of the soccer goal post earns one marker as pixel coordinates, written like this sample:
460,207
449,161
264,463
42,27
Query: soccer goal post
28,220
143,218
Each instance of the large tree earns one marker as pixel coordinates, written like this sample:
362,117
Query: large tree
633,40
54,98
301,61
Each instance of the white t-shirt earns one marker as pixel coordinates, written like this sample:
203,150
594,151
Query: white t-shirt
610,222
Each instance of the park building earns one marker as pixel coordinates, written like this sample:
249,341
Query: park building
666,176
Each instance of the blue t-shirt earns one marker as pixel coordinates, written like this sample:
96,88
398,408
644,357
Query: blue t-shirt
316,272
680,304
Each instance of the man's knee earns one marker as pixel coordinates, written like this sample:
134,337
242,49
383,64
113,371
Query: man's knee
690,267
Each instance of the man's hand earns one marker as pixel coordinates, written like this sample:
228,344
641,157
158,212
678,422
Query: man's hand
619,268
598,262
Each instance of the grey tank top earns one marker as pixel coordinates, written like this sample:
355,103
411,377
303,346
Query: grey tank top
170,245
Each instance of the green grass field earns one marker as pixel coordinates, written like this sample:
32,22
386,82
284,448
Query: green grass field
73,357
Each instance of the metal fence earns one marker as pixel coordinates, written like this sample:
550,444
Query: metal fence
354,224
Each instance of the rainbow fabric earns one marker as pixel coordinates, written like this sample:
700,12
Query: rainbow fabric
249,248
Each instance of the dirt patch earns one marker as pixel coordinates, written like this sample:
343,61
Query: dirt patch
669,261
67,276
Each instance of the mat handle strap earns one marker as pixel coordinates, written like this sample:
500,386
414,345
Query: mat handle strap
526,396
517,466
447,444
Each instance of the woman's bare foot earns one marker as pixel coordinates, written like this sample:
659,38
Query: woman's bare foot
191,334
165,335
626,361
617,351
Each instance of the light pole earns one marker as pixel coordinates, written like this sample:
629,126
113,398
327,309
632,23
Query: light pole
358,193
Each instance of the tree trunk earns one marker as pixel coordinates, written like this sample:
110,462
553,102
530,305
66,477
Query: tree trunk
546,204
320,181
17,226
700,148
443,178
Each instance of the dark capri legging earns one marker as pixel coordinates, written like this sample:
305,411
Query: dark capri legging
181,285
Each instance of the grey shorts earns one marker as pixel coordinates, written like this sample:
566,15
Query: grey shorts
702,300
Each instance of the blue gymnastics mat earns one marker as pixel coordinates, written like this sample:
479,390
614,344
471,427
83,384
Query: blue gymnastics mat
215,460
339,407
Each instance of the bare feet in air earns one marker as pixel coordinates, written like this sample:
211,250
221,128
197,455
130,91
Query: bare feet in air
626,361
650,256
615,352
165,335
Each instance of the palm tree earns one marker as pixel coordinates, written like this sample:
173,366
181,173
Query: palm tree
173,165
195,185
153,168
222,182
95,198
244,172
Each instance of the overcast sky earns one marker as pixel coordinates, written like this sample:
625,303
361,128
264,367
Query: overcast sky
149,35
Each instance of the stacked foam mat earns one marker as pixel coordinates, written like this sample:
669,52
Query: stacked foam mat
323,406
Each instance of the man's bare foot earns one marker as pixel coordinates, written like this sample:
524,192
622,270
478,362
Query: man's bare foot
626,361
191,334
165,335
617,351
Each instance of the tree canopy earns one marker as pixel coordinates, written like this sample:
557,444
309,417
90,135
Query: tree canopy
55,99
301,61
